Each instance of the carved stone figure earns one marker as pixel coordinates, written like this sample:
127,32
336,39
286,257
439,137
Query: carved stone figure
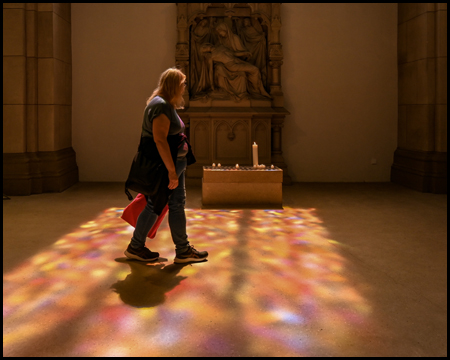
235,76
201,34
254,40
228,39
221,69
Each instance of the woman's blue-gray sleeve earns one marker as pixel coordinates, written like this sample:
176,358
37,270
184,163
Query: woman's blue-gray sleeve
155,111
159,109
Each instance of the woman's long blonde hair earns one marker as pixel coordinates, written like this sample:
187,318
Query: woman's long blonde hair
169,86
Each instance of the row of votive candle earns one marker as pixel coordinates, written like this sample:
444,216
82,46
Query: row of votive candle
262,166
255,159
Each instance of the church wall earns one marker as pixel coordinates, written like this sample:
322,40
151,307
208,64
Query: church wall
420,160
37,93
119,51
339,78
340,83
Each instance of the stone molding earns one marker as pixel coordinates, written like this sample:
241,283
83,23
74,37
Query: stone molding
424,171
39,172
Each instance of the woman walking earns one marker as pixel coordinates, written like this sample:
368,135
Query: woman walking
163,140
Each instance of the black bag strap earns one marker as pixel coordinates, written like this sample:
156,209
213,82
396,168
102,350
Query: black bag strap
130,197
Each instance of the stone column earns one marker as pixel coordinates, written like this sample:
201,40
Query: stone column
37,98
420,161
182,49
275,63
277,153
275,57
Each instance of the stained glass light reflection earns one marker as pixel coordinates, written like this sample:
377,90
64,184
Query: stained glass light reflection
274,285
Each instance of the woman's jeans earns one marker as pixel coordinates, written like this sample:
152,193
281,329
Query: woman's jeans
177,216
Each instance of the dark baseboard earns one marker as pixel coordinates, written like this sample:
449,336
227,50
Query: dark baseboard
39,172
424,171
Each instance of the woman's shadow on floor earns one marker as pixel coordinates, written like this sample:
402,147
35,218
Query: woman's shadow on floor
147,284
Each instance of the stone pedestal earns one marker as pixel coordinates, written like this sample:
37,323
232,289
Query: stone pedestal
39,172
225,135
245,187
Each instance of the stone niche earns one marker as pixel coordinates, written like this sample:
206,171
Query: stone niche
232,57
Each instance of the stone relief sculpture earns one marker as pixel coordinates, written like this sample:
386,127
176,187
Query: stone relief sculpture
201,34
222,66
232,56
232,75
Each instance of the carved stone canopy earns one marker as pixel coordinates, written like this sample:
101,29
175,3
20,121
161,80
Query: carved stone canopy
231,53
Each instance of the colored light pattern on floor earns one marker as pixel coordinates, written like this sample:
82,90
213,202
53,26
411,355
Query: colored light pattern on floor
274,285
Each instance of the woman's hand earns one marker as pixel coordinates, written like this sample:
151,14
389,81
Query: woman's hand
173,180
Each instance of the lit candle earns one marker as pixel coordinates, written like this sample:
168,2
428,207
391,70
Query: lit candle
255,154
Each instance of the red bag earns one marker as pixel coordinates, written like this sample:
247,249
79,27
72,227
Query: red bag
132,211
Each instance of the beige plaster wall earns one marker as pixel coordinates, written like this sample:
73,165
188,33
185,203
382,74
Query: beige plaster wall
339,79
340,84
119,51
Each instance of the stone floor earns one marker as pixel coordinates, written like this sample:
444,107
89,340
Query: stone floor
342,270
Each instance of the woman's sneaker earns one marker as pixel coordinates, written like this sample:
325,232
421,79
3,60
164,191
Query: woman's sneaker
142,254
191,255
